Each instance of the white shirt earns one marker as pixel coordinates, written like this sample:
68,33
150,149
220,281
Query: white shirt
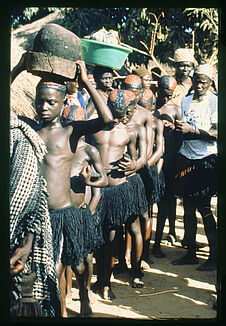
202,115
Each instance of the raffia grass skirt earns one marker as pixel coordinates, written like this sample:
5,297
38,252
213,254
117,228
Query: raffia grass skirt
154,183
140,201
195,178
116,205
75,234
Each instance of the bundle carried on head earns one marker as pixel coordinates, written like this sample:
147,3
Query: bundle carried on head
111,36
55,50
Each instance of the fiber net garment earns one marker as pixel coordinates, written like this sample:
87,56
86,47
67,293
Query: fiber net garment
29,214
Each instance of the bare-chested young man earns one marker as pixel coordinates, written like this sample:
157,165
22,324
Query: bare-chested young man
168,112
61,141
151,173
87,170
117,202
141,117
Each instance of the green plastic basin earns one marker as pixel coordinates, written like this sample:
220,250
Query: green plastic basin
104,54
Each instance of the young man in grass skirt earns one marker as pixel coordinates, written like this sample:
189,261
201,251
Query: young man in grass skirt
118,203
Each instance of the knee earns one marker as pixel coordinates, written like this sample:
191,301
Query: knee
135,230
89,259
79,269
145,217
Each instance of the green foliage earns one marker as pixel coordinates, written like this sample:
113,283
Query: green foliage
171,28
205,25
21,16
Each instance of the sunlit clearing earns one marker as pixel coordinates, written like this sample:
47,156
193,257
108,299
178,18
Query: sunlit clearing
190,299
157,271
200,285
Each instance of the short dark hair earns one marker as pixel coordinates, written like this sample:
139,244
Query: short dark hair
98,71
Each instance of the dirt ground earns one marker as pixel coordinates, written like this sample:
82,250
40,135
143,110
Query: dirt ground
170,292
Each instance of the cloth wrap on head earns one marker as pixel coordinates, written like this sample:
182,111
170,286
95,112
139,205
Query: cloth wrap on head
132,82
167,82
74,113
120,99
204,69
72,110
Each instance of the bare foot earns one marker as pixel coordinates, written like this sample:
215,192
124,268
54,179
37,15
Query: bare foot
209,265
137,283
92,297
96,287
157,252
85,310
186,260
64,312
108,294
63,308
68,299
147,259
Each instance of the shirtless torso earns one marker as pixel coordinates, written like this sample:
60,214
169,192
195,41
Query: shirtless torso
143,117
111,143
85,157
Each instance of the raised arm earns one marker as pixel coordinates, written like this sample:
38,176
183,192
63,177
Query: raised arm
101,107
90,108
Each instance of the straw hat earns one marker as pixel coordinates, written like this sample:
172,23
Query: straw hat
204,69
184,55
141,71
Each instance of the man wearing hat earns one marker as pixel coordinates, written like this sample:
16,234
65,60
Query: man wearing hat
145,76
184,62
196,166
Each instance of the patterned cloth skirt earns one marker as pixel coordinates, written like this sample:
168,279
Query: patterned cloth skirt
195,178
116,205
140,201
154,183
75,234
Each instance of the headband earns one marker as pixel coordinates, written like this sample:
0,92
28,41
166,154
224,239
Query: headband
49,84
